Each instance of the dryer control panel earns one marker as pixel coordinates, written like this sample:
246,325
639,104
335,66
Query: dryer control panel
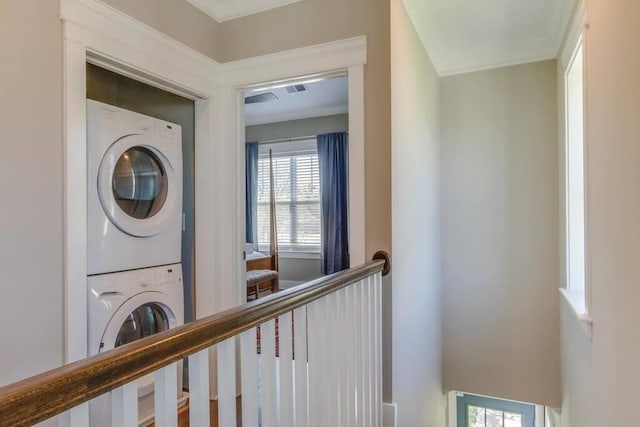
116,117
162,129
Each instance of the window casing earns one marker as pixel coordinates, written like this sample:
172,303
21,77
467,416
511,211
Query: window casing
481,411
297,193
575,175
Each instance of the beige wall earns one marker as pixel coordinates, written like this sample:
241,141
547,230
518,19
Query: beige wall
298,128
31,189
500,233
318,21
177,19
601,375
415,152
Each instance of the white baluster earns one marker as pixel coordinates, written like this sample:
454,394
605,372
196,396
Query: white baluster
362,338
286,370
369,351
378,279
301,374
359,353
268,374
227,382
166,396
332,367
75,417
199,411
249,375
341,346
318,389
350,357
124,405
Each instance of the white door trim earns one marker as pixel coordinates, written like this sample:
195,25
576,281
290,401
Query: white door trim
97,32
94,30
348,55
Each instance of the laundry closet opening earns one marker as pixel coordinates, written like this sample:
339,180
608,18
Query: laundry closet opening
120,91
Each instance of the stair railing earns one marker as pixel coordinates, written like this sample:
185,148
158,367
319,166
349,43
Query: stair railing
319,364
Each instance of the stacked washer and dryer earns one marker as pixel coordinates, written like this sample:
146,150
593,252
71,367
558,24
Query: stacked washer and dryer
134,226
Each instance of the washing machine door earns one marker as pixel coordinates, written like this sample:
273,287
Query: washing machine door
137,186
140,316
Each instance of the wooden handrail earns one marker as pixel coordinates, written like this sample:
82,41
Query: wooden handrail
48,394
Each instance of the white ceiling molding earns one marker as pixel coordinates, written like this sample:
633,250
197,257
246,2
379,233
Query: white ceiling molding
579,22
462,36
224,10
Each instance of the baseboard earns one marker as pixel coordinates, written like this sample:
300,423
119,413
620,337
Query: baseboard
389,416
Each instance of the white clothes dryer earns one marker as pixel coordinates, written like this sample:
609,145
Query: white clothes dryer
127,306
134,190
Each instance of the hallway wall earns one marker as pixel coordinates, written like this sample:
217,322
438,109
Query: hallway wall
178,19
601,374
31,189
500,233
416,291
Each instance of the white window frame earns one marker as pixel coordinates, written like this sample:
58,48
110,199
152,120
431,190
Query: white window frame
290,150
575,174
576,289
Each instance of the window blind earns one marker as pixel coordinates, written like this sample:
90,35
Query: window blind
297,194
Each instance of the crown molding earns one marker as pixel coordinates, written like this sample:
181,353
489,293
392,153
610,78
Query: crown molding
227,10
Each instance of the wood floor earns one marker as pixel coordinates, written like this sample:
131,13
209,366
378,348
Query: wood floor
183,414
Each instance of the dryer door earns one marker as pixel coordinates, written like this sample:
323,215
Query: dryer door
137,186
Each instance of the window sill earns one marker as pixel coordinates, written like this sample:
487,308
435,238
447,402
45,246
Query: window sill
576,302
299,255
292,253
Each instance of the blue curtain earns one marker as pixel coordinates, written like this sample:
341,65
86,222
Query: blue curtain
332,162
251,213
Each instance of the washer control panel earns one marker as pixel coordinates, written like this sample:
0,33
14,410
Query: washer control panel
162,278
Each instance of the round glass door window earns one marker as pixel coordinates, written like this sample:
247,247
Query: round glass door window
139,183
148,319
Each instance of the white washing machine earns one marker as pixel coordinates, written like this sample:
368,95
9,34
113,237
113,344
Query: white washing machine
134,190
127,306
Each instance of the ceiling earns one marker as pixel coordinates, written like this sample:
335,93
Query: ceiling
322,98
460,35
471,35
223,10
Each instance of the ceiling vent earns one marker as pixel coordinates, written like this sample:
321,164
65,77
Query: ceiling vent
296,88
261,97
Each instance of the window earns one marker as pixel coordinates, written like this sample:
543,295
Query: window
297,193
574,179
479,411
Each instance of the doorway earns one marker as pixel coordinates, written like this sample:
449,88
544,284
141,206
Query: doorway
111,88
285,120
